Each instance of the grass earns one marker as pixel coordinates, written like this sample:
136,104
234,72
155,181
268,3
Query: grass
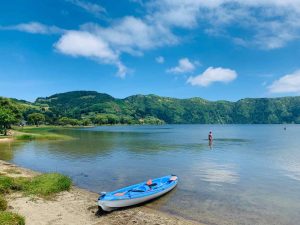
9,218
46,185
30,137
6,184
3,203
39,133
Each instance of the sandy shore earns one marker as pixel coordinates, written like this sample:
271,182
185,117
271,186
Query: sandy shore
6,139
78,207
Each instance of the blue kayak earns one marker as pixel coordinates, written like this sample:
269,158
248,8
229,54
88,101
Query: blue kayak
137,193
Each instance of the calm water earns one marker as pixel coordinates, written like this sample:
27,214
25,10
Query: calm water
251,175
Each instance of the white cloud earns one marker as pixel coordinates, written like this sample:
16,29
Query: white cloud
184,66
131,34
128,35
269,24
211,75
84,44
34,28
95,9
81,43
289,83
160,59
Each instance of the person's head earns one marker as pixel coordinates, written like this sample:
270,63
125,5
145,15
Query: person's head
210,132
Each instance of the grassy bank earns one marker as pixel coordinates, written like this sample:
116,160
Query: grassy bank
9,218
39,133
45,186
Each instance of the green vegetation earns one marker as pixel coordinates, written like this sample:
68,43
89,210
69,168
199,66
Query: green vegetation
36,118
6,184
9,218
3,203
84,108
39,133
10,113
46,185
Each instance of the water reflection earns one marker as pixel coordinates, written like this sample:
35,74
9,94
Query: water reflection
214,173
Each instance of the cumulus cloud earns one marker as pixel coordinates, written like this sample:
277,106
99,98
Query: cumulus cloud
289,83
34,28
85,44
184,66
131,34
269,24
211,75
160,59
95,9
105,44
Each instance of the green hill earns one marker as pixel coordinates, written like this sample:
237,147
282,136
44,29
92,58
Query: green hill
99,108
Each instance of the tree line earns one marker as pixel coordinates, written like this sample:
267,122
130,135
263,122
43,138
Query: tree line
84,108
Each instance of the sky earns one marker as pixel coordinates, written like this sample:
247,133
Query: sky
217,49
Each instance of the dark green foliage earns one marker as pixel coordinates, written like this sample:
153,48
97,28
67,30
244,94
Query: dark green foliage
65,121
86,107
9,218
36,119
10,113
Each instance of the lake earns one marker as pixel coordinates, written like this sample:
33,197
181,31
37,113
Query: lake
250,175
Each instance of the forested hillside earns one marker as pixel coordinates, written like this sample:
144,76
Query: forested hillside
90,107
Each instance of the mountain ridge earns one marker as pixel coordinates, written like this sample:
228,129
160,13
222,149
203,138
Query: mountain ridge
102,108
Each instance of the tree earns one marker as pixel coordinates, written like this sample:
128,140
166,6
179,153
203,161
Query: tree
6,120
64,121
86,122
36,118
100,119
9,114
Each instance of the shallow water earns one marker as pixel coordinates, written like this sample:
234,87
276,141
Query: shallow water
251,174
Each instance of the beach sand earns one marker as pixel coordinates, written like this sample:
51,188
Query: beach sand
78,207
6,139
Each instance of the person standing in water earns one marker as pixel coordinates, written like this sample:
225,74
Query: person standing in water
210,139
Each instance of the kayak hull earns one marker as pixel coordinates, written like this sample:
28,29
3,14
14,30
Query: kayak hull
110,205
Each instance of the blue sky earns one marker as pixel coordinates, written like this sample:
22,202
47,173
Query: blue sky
218,49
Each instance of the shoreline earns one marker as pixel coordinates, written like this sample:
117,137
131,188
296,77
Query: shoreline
78,206
6,139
